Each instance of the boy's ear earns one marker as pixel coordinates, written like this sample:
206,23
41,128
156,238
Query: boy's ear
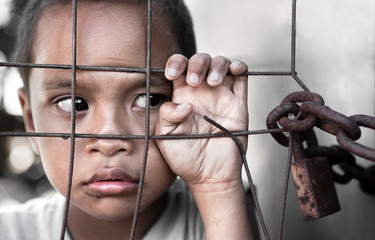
27,116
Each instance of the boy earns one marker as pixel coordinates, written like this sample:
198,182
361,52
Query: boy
107,171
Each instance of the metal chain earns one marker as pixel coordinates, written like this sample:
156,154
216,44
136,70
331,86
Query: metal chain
312,113
346,161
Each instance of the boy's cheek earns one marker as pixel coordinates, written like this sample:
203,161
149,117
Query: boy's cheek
140,122
53,149
54,153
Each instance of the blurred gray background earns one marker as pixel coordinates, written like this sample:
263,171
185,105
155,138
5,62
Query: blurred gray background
335,58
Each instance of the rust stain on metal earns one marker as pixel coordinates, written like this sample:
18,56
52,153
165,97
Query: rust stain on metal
315,189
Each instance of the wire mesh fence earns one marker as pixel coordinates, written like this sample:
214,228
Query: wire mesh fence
147,137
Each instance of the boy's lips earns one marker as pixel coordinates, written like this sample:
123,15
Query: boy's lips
107,182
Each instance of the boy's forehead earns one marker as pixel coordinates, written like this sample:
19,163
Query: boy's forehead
107,34
55,79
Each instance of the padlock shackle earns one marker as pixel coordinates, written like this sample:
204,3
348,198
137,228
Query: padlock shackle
297,147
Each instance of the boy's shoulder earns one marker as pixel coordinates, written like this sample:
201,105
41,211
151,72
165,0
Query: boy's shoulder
180,219
34,205
38,218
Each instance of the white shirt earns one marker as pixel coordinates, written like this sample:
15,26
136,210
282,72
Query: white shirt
41,218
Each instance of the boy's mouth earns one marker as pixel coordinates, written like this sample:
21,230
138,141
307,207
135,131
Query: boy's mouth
110,182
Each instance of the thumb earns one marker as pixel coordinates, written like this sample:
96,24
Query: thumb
171,115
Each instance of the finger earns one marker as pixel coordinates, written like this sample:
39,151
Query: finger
239,87
218,70
197,69
170,115
175,66
238,67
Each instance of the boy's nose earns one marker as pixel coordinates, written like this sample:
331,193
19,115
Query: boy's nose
109,147
109,123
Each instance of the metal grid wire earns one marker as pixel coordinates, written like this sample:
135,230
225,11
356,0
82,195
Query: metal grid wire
147,137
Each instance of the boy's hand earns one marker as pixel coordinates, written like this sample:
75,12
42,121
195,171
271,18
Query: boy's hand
205,90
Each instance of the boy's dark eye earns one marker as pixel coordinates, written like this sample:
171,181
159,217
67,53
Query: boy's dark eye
155,100
66,104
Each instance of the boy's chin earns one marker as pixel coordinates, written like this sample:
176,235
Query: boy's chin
114,216
116,208
110,211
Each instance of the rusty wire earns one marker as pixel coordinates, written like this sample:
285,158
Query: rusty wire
287,125
125,69
147,122
285,188
66,136
73,121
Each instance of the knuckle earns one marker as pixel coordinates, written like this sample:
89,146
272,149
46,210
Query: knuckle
221,59
220,64
198,65
177,59
202,55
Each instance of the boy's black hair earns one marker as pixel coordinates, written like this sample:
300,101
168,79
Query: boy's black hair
181,23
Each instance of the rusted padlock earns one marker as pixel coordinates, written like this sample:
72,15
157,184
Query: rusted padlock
314,183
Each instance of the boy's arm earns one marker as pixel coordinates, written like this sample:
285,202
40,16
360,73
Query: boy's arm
224,212
211,167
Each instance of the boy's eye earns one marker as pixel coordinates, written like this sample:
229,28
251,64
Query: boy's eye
66,104
155,100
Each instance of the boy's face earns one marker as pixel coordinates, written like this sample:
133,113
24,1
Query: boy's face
106,172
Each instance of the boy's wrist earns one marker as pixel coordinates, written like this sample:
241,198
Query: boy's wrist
223,209
216,187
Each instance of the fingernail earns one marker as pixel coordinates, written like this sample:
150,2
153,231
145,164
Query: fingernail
172,72
181,107
193,78
214,77
237,63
